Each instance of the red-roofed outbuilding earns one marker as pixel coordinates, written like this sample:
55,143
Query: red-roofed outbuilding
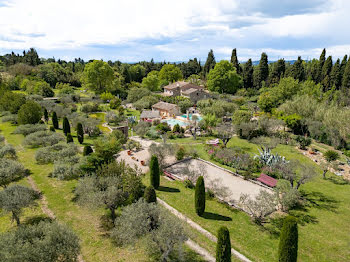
267,180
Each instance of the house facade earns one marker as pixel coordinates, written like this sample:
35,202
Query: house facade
166,109
182,88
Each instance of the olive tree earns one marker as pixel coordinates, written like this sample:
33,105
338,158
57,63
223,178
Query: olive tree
14,198
10,171
44,241
114,185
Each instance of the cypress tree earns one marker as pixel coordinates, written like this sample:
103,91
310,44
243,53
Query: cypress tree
210,63
154,172
199,197
336,75
234,61
278,71
223,246
52,129
80,133
346,76
327,67
297,70
263,68
55,120
288,246
66,126
87,150
46,115
343,65
248,74
321,63
69,138
150,195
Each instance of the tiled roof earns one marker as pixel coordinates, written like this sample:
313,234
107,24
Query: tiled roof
164,106
150,114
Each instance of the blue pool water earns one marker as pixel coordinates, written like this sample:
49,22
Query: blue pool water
172,122
199,118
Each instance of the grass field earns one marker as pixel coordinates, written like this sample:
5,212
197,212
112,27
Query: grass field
324,232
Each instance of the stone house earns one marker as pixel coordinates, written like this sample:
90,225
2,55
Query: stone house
166,109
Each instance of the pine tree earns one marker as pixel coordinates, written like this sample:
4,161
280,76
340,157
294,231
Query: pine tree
248,74
234,61
223,246
210,63
69,138
154,172
288,246
297,70
66,126
336,75
55,120
199,196
87,150
80,133
346,76
263,68
150,195
327,67
46,115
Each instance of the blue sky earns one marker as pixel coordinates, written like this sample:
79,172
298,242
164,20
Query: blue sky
177,30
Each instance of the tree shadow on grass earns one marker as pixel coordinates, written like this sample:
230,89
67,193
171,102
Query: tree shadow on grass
213,216
319,200
338,180
168,189
34,220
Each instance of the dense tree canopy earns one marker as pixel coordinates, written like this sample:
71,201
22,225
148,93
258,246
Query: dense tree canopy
29,113
170,73
98,76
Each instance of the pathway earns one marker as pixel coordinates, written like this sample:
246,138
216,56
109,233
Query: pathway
200,229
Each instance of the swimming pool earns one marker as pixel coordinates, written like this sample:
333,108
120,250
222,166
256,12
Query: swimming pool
172,122
199,118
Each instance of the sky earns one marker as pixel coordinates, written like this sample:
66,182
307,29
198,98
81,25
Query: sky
177,30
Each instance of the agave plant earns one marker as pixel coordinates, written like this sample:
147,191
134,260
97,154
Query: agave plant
267,158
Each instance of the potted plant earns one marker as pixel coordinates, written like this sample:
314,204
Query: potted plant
142,162
129,152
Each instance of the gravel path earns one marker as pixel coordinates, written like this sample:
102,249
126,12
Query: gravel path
200,229
201,251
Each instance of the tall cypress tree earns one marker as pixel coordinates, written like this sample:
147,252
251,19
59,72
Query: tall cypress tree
210,63
346,76
234,61
343,65
248,74
321,63
55,120
199,196
327,67
288,246
46,115
154,172
87,150
66,126
297,70
150,195
223,246
80,133
336,75
263,68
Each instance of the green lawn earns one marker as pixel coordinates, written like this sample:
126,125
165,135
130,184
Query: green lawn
324,232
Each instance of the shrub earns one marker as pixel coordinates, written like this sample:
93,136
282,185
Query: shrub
180,154
87,150
29,129
8,151
9,118
80,133
150,195
29,113
90,108
199,197
154,172
331,155
223,246
66,126
56,152
288,246
65,171
43,138
303,142
55,120
69,138
188,183
52,129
